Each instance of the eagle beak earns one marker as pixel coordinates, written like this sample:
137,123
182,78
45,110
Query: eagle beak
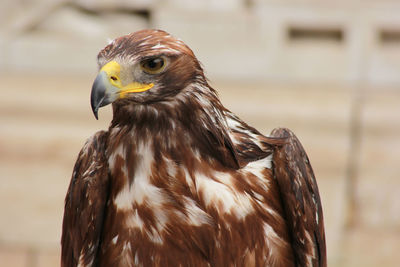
107,87
103,93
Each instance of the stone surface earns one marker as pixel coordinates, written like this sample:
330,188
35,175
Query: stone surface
205,5
13,257
263,75
242,40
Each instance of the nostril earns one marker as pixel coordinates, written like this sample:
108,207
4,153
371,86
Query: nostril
114,78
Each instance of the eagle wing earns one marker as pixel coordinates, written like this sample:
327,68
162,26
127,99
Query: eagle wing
85,204
300,199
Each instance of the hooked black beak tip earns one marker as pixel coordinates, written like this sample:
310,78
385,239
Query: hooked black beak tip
97,95
95,114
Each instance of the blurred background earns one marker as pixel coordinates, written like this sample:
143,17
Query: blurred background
329,70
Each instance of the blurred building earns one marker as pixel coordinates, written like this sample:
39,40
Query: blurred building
331,68
291,40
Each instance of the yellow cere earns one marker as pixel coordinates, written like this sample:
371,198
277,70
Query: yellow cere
113,70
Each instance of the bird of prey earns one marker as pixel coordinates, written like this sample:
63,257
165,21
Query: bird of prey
178,179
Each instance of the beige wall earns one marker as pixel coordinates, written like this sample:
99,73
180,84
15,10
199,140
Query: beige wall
305,65
234,39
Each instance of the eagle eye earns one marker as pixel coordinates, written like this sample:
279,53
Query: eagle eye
153,65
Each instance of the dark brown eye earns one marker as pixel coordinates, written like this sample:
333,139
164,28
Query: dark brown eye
153,65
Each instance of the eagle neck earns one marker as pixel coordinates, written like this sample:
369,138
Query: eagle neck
193,120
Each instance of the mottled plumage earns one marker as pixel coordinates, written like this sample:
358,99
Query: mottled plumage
178,180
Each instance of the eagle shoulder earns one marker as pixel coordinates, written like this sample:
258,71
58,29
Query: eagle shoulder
85,204
300,199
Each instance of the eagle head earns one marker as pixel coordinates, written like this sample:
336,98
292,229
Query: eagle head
146,66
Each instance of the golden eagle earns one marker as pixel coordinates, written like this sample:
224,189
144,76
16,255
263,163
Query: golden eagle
179,180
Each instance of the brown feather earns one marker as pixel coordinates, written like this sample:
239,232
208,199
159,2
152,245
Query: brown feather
85,204
179,180
301,200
